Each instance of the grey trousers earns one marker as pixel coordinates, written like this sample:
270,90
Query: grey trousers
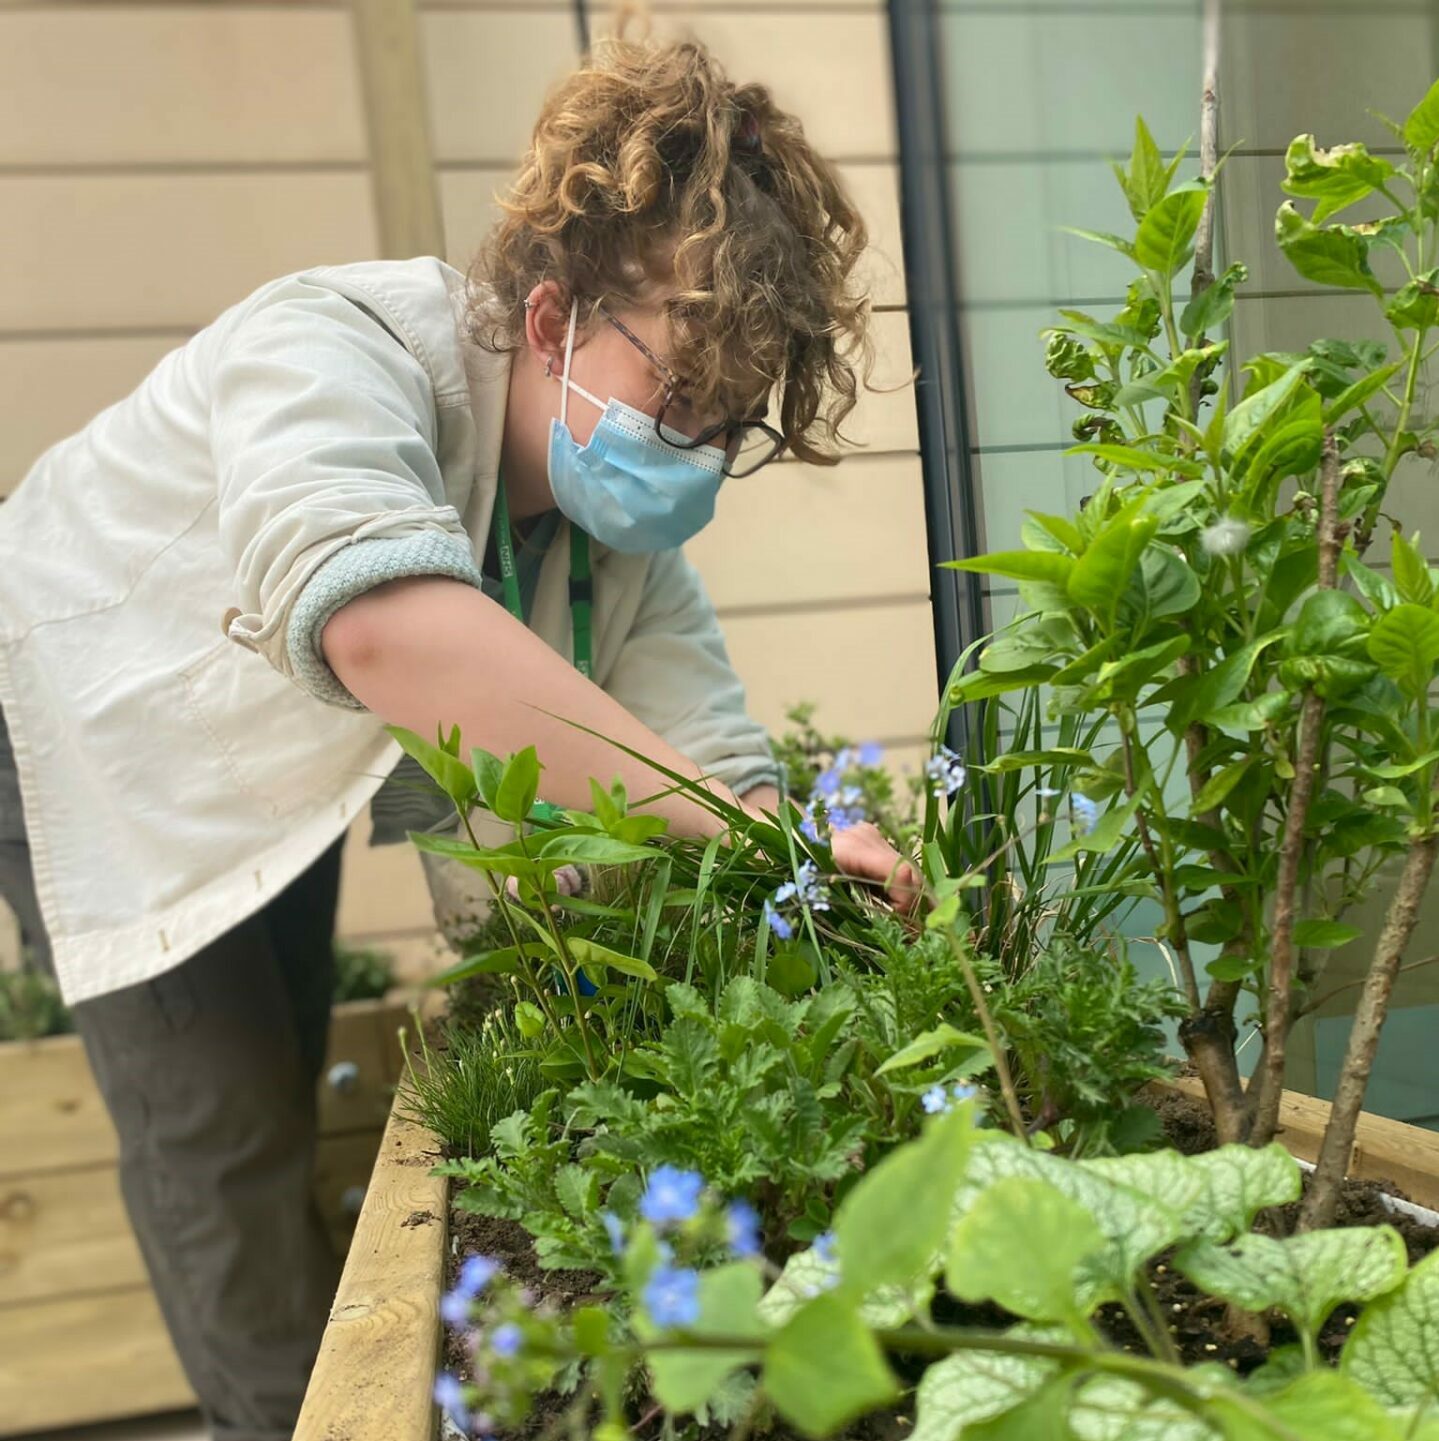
209,1073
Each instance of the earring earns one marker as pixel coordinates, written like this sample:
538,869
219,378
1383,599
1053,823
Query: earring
549,367
529,305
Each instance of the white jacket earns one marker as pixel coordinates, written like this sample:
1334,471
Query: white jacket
178,762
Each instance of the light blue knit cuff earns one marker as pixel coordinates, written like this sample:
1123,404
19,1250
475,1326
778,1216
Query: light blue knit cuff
762,773
352,571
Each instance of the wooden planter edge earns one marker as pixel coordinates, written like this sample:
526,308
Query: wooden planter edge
1384,1150
374,1378
375,1373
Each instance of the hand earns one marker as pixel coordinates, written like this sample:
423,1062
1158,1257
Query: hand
863,853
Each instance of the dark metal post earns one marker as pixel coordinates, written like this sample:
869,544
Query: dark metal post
952,511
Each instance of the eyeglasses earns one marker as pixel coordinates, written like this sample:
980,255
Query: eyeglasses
747,444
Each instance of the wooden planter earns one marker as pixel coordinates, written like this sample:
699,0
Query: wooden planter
375,1374
1384,1150
81,1337
376,1371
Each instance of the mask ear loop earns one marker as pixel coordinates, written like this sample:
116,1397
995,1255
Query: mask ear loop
569,353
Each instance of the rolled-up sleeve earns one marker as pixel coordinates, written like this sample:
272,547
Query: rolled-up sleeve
323,435
674,674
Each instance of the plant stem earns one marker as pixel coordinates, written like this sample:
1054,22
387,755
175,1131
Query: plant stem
991,1033
1338,1144
1320,1001
1268,1085
1163,873
1157,1331
1411,380
1203,276
1173,1382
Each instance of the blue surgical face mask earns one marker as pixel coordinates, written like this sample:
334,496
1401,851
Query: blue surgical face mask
625,486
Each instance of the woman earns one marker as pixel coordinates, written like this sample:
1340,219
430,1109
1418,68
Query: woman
380,493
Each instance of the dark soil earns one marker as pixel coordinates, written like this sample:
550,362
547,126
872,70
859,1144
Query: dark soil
1197,1322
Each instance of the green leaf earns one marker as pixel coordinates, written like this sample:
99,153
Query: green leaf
1357,394
1129,457
1330,622
1398,770
1045,565
1239,1183
1166,233
451,775
1322,935
1293,447
973,1386
1148,177
518,786
1211,307
1393,1351
1254,412
1102,237
729,1297
929,1044
577,1190
1215,790
1035,760
592,954
1404,644
1336,178
1111,1408
1411,572
892,1224
1305,1276
590,1327
1334,255
978,685
806,1274
1252,715
1136,1224
1104,836
487,963
487,769
1415,305
1060,528
1421,128
1218,687
1320,1406
1102,574
1019,1246
1167,380
1163,585
825,1368
1116,336
590,848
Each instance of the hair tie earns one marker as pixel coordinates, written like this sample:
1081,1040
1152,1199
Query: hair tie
746,136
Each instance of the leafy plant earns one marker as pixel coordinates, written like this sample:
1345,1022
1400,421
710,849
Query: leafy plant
361,974
1244,702
775,1100
1086,1036
1050,1241
475,1077
31,1006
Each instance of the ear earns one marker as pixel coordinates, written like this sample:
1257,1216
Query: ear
547,321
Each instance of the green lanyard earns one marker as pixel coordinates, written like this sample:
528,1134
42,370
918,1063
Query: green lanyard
582,591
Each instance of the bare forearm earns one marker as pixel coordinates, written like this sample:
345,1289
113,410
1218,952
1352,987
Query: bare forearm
426,652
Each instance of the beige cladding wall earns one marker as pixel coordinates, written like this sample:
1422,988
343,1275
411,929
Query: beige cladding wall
159,161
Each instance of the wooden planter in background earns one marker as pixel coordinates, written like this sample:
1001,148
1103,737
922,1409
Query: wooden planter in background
1384,1150
376,1371
81,1338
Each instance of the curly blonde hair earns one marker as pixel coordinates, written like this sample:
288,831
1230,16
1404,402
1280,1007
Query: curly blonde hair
647,165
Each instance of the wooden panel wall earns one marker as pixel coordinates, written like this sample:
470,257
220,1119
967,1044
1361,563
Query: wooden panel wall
159,161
